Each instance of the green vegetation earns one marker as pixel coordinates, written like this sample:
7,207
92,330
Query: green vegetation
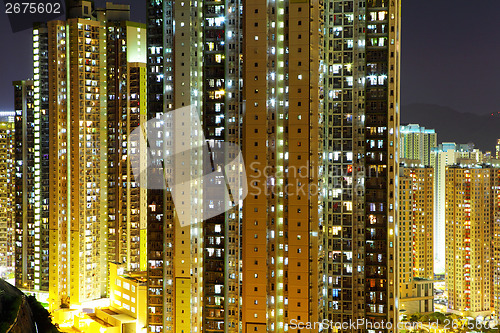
9,307
11,300
41,316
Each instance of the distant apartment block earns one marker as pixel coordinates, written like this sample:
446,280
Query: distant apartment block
415,241
423,219
447,153
471,194
416,143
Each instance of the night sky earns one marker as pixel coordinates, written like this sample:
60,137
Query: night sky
451,53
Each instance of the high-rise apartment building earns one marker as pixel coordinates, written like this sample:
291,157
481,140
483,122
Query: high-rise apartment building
126,110
406,237
89,142
423,219
282,214
31,174
415,239
194,62
444,155
469,224
361,118
78,190
24,182
7,190
495,232
321,93
416,143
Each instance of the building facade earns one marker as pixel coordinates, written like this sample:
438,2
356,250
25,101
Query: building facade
282,215
446,154
24,182
497,149
31,174
32,170
495,295
194,69
423,220
321,97
95,201
416,143
405,236
7,191
361,121
415,225
126,93
78,196
470,198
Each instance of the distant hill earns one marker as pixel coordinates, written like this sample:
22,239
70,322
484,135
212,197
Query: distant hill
454,126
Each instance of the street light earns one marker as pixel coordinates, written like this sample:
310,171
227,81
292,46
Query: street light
26,285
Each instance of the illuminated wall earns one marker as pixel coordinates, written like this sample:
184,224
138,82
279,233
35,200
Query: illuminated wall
32,164
497,149
362,52
78,190
416,143
495,291
469,223
126,110
423,220
7,191
193,271
282,216
405,241
24,184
